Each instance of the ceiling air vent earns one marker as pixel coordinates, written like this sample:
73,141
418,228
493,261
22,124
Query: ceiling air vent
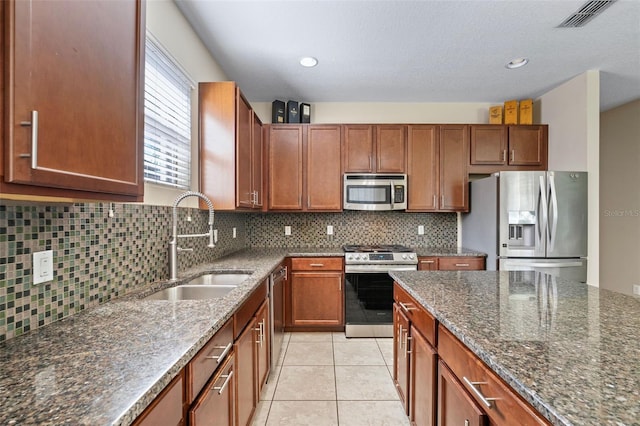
587,12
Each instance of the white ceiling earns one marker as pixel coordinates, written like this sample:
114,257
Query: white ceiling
417,51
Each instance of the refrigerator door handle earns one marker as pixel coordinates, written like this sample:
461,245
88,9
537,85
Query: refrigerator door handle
541,217
545,264
553,209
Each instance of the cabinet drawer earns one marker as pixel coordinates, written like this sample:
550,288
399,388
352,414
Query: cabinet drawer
461,263
205,363
419,317
316,263
509,408
244,314
215,405
166,409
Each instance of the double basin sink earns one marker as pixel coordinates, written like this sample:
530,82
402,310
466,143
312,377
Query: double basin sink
208,286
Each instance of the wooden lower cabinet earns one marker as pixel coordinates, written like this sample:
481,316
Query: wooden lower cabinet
427,264
400,355
317,292
216,404
261,343
423,380
455,406
451,263
167,408
246,398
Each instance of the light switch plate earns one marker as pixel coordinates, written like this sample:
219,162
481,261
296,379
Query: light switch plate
235,233
42,266
420,229
329,229
287,230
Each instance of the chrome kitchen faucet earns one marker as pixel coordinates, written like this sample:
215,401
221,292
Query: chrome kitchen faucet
173,244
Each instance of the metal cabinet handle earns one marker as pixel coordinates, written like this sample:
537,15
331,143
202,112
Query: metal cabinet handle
504,156
223,354
442,201
462,265
427,261
34,139
316,265
513,155
220,389
435,201
406,345
400,339
406,307
486,401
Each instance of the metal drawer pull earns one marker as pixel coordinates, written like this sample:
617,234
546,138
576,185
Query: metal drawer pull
405,307
220,389
486,401
316,265
34,139
407,341
462,264
427,261
223,354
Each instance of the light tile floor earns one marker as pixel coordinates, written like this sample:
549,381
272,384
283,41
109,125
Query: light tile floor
327,379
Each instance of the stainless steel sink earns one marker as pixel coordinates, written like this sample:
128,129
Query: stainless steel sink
223,279
192,292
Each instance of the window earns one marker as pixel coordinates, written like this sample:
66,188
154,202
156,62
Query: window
167,119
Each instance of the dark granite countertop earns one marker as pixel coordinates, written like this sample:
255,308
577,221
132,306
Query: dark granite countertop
104,365
571,350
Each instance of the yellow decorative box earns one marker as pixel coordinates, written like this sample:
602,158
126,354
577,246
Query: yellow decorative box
511,112
495,115
526,111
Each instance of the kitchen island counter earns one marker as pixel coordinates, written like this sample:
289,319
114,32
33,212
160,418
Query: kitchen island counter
569,349
105,365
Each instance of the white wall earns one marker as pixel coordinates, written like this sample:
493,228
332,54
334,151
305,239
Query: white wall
171,29
388,112
620,198
572,111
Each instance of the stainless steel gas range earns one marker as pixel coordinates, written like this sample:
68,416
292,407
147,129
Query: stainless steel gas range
369,288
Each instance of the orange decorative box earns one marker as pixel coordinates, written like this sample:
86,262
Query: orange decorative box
495,115
526,111
511,112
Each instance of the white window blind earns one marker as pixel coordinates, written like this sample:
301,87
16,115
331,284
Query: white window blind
167,119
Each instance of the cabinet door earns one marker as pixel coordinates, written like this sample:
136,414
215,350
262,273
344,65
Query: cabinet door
167,408
358,149
455,406
75,97
244,148
527,145
285,167
257,162
316,298
401,355
245,374
262,341
422,168
324,168
454,149
424,380
215,406
391,149
428,263
488,144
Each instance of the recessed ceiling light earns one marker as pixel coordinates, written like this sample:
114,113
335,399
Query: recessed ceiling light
517,63
308,61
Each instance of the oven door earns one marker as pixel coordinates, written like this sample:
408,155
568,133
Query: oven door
369,300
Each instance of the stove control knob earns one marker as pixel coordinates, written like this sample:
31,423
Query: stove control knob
404,256
411,256
349,257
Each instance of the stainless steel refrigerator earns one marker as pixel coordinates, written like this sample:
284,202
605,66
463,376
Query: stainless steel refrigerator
530,221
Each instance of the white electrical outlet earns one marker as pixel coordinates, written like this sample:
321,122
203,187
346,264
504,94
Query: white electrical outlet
420,229
215,236
636,289
235,233
42,267
287,230
329,229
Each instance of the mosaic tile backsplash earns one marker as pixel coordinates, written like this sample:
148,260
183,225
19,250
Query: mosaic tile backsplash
98,258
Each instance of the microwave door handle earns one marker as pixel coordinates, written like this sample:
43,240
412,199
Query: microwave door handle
391,194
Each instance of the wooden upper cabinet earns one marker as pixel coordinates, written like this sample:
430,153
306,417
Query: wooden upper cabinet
324,168
517,147
454,150
74,99
285,167
528,145
230,147
374,149
391,149
422,168
489,144
358,149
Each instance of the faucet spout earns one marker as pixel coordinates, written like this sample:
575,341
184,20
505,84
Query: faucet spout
173,243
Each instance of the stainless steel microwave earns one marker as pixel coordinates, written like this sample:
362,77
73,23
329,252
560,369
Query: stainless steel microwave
375,191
